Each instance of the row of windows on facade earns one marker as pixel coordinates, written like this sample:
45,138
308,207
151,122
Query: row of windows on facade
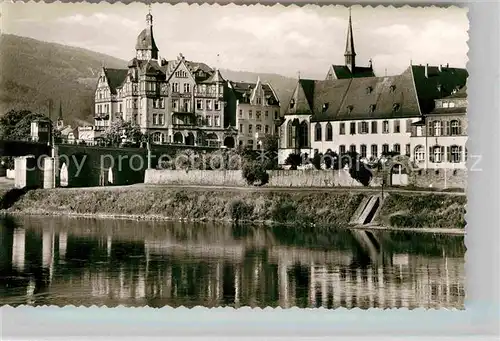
258,128
436,153
201,89
159,120
258,114
349,108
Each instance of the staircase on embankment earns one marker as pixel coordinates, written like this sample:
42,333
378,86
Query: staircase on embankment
366,210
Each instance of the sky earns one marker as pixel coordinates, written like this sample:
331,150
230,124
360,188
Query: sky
256,38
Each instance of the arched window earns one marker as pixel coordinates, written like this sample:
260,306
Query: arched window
290,137
374,150
455,154
329,132
304,134
317,132
419,153
157,138
455,127
352,148
436,154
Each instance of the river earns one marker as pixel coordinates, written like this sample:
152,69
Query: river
81,261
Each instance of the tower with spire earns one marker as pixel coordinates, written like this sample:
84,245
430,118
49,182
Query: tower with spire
350,54
349,69
145,46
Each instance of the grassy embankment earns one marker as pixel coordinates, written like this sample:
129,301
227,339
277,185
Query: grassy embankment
288,208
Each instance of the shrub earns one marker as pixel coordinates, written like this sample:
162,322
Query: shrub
293,160
254,172
241,210
316,160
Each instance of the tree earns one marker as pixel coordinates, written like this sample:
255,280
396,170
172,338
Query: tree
16,124
120,130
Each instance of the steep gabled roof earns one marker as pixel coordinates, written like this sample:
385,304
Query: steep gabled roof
243,91
216,77
462,93
115,78
438,83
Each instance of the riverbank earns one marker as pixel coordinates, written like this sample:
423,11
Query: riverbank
427,212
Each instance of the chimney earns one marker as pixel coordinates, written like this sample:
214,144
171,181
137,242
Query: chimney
447,65
440,68
426,70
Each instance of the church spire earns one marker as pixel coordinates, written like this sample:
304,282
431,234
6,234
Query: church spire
350,54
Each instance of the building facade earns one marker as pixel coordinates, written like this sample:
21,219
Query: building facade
438,140
181,101
257,111
358,112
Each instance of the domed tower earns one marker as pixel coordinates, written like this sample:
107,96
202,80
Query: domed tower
145,47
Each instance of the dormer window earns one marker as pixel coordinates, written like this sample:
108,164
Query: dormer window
325,106
372,108
349,109
369,90
393,88
292,103
396,107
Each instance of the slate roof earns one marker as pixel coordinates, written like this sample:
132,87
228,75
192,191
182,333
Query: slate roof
216,77
115,78
145,40
373,97
243,91
462,93
438,84
343,72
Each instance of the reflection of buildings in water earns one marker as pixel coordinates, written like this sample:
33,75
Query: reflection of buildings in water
19,249
63,244
420,282
48,251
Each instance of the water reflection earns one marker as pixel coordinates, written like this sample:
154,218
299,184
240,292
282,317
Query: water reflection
84,261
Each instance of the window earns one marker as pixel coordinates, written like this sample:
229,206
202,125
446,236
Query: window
241,113
342,129
208,104
187,87
162,103
317,132
292,103
217,105
209,120
161,119
267,114
408,125
121,108
135,103
185,104
241,128
342,149
257,115
364,127
374,127
249,128
157,138
290,134
419,154
304,134
419,131
136,119
259,100
396,107
396,148
250,114
352,148
437,128
329,132
352,129
455,154
276,115
392,88
250,143
445,104
349,109
455,127
175,87
372,108
199,104
217,120
258,128
325,106
452,104
266,129
369,90
436,154
181,74
408,150
363,151
385,149
385,127
397,126
175,104
374,150
155,119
